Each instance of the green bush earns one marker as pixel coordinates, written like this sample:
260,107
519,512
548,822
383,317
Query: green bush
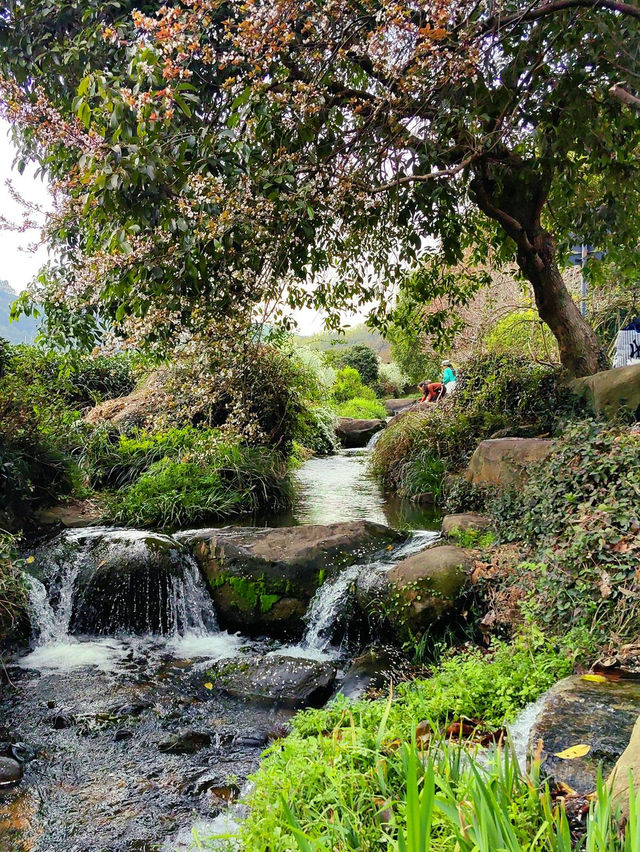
579,511
393,381
316,430
215,480
348,385
13,593
341,768
361,358
519,332
362,409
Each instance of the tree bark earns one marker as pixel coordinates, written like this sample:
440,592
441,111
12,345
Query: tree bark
513,192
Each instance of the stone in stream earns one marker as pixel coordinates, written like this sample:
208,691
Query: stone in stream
417,592
185,742
503,462
372,670
262,579
578,711
10,772
354,433
395,406
286,681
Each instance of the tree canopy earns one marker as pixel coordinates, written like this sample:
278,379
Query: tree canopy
217,161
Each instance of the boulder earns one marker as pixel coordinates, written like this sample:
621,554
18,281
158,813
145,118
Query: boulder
262,579
427,585
185,742
395,406
354,433
114,580
10,772
465,521
135,408
72,514
371,670
611,392
503,462
628,764
578,711
287,681
417,592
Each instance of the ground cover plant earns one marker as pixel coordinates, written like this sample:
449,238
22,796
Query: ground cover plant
13,592
579,515
339,781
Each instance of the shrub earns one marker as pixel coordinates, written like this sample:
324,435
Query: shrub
361,358
522,332
580,513
393,381
216,480
362,409
316,430
13,593
348,385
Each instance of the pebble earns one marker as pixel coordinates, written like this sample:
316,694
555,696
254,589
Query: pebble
10,772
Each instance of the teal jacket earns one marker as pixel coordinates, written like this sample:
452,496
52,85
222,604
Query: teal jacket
449,376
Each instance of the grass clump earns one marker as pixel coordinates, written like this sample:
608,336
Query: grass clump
13,592
213,479
362,409
340,780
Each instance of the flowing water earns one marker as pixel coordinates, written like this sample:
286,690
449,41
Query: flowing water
124,635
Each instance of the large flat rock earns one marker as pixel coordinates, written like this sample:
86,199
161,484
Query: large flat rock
262,579
503,462
576,711
354,433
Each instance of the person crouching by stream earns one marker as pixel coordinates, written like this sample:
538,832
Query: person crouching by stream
431,391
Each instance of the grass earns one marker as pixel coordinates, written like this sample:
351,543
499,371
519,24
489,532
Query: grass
362,409
13,593
343,779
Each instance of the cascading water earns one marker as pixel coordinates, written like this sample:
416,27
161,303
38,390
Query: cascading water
330,605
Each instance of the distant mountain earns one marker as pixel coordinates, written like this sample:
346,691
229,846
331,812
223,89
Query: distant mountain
22,331
356,334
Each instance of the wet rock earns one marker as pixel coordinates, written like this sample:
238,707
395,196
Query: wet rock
576,711
125,579
185,742
72,514
353,433
611,392
122,734
465,521
10,772
288,681
423,588
372,670
395,406
61,721
262,579
135,708
503,462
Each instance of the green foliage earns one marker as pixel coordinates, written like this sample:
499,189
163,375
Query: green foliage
315,430
364,409
579,511
362,358
409,342
213,479
472,538
349,385
423,473
13,594
394,381
521,333
341,767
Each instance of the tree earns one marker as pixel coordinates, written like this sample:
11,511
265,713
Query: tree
246,149
362,358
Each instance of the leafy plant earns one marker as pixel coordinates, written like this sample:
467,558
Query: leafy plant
365,409
349,385
13,594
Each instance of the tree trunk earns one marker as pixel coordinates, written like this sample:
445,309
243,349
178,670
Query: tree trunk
512,192
580,350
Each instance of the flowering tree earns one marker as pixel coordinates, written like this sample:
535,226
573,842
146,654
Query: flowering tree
232,158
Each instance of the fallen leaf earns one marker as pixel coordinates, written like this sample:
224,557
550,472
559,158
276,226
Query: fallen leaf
594,678
605,585
574,751
563,789
208,685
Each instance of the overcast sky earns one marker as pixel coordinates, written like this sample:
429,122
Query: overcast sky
18,266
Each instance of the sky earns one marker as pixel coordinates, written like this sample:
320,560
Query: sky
18,266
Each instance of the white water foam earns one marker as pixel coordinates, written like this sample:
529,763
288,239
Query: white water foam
102,654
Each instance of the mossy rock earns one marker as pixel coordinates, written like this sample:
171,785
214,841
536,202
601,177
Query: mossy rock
263,579
286,681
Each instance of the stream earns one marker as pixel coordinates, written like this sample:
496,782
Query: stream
125,745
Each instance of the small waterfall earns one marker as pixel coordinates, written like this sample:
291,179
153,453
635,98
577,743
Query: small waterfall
373,440
105,582
328,604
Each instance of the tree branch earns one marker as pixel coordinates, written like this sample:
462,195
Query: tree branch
495,22
626,97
